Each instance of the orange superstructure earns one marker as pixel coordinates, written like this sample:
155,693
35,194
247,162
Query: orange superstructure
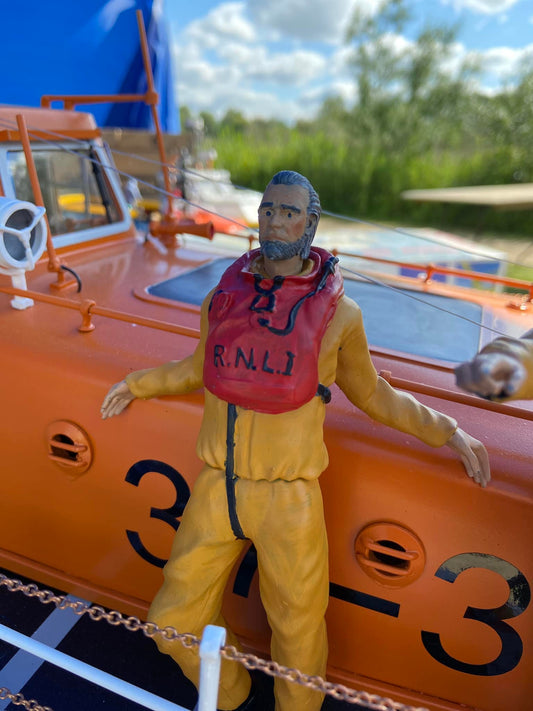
46,124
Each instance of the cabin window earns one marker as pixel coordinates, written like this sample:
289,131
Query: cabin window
75,190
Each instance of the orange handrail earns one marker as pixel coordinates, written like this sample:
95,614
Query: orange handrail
70,101
431,269
460,398
150,97
88,308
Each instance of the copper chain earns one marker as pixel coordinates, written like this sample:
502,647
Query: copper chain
190,641
19,700
337,691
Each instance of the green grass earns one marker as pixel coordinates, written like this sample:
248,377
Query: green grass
361,179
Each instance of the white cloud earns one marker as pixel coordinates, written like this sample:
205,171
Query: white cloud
289,69
500,60
504,63
238,53
225,22
258,63
247,63
485,7
251,103
314,98
199,73
396,43
311,20
338,61
498,66
227,59
221,63
346,90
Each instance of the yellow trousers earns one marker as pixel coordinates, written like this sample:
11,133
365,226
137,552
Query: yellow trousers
285,521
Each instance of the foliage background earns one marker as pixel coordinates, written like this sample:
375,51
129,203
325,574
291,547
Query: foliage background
413,126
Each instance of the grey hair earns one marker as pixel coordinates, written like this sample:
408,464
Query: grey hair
291,177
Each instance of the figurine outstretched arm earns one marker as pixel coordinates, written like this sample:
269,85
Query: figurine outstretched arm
173,378
358,379
502,370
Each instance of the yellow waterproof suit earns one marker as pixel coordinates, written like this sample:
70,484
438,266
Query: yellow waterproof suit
277,461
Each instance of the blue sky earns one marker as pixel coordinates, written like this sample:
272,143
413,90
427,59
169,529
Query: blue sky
281,58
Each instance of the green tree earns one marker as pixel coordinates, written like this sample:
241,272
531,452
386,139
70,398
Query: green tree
210,124
403,91
233,122
414,125
185,116
374,61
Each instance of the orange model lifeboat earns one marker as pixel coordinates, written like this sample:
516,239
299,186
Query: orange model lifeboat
430,575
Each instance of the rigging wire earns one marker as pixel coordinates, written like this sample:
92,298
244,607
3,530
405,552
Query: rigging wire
423,238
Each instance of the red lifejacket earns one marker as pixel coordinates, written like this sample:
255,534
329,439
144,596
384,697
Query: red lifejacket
265,334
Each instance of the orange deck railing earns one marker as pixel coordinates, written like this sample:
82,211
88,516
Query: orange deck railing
88,308
431,269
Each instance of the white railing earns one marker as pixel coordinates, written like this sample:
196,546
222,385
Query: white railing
213,639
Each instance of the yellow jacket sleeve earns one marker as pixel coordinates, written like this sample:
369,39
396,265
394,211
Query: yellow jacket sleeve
357,378
177,377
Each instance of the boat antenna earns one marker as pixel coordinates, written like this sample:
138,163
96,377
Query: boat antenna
151,99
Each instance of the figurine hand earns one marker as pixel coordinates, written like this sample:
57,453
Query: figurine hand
116,400
491,375
473,455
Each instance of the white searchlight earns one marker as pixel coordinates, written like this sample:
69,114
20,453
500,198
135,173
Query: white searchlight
23,234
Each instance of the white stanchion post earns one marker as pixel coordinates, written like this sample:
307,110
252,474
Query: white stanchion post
213,639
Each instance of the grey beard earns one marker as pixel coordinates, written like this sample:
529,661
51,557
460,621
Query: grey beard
276,250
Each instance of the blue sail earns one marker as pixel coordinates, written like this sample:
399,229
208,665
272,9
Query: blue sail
89,47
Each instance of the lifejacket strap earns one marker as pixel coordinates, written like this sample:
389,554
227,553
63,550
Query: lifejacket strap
324,392
231,477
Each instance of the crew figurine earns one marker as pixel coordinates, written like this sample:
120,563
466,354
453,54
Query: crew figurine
276,333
